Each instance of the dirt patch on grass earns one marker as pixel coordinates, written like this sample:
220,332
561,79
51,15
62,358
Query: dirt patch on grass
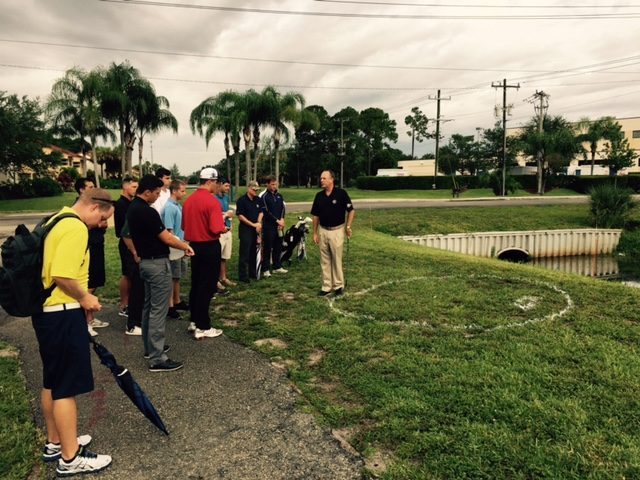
378,463
8,352
271,342
345,436
316,357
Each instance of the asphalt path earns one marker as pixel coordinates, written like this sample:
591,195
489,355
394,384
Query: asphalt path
8,222
229,412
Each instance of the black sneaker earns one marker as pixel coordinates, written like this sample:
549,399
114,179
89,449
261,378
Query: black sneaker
167,366
181,306
173,313
322,293
339,292
164,350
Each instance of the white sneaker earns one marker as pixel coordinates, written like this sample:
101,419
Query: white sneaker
137,331
191,327
51,451
95,323
266,274
211,333
281,270
85,462
92,332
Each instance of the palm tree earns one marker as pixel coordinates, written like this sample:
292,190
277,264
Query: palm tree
224,113
74,107
281,109
124,87
595,130
152,115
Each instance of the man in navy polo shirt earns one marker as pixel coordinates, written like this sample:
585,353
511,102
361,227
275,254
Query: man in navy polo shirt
329,209
249,210
272,227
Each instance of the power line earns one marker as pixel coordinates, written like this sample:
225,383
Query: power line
243,84
471,5
589,16
250,59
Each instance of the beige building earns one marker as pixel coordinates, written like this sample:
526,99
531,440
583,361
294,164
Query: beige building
581,165
69,159
410,168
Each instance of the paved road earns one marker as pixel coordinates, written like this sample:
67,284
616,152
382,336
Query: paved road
230,413
8,222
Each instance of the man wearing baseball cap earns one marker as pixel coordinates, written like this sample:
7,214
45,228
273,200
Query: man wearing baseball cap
202,224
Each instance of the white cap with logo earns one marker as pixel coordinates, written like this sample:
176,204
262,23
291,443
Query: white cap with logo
209,173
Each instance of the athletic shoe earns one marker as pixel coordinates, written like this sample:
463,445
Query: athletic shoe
52,451
339,292
211,333
167,366
266,274
222,293
181,306
124,312
229,283
173,313
281,270
164,350
137,331
322,293
92,332
84,462
191,327
95,323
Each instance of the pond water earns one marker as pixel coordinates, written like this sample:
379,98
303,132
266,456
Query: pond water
597,266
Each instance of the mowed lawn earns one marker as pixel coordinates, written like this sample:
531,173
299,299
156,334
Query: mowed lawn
436,365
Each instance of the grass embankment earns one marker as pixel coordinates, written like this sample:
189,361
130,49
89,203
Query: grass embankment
446,366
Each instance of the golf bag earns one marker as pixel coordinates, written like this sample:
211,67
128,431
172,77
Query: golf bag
295,237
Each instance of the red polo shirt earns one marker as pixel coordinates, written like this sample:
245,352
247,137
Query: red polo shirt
202,217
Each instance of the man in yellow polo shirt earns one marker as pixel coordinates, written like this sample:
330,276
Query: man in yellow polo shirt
61,330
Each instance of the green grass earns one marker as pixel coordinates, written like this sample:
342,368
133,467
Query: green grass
429,361
17,430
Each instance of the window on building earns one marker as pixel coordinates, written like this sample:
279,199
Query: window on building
636,134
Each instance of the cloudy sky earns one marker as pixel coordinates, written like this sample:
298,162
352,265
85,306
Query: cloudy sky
391,54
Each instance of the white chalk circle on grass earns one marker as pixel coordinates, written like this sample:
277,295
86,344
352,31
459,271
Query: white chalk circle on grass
523,303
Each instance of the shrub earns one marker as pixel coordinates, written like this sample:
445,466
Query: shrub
113,183
46,187
610,206
510,184
66,181
414,183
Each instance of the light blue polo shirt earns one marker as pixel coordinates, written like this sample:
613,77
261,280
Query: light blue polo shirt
172,218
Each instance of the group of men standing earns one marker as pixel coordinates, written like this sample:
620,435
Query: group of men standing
155,234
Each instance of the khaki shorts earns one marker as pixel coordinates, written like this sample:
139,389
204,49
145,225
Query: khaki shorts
225,245
179,268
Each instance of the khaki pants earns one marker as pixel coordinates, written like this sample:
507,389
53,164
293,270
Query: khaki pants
331,243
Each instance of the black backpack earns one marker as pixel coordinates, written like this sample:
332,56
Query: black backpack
21,291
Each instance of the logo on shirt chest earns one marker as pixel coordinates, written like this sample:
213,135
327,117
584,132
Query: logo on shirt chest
334,201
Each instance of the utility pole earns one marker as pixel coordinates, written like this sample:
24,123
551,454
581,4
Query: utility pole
438,98
541,110
341,151
504,87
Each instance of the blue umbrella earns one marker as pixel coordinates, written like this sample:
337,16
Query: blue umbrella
129,385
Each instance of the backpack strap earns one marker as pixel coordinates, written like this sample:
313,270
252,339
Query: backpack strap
48,223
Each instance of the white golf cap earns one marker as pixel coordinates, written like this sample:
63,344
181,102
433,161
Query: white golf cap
209,173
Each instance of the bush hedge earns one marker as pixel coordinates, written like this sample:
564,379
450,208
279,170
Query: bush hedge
580,184
39,187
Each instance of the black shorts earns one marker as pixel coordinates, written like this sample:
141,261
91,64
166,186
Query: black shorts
97,275
127,263
63,340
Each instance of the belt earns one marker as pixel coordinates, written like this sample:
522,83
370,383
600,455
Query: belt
61,307
155,257
333,228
